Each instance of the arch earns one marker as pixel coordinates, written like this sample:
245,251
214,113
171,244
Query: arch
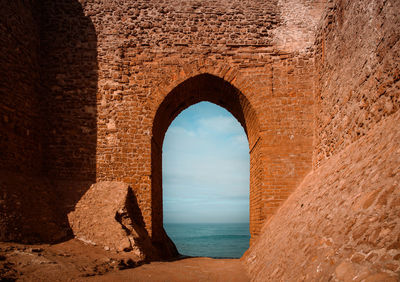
210,88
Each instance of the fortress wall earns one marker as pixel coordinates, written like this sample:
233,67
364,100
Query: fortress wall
147,48
69,75
106,67
341,223
358,62
69,69
26,199
20,115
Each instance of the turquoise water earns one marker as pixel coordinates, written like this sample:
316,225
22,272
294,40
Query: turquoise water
216,240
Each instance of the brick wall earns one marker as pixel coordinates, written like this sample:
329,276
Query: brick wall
147,51
69,78
27,211
20,126
108,68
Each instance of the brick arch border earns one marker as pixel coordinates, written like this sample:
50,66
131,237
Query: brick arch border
276,96
214,89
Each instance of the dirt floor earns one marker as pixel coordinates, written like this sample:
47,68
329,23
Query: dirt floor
76,261
189,269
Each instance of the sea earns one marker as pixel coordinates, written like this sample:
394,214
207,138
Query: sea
215,240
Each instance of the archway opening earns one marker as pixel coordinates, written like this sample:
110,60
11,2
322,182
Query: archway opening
203,88
206,167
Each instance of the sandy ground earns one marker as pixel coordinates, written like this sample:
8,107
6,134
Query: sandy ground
190,269
76,261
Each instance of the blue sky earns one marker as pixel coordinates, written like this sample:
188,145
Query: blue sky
205,167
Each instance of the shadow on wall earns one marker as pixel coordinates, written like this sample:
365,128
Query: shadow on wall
50,86
53,124
69,76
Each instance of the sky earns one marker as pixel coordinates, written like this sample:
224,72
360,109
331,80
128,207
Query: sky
206,167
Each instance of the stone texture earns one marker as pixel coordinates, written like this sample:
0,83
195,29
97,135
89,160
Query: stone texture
26,212
37,124
94,101
108,216
298,24
342,223
358,63
106,70
150,53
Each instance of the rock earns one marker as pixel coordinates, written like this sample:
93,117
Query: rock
108,216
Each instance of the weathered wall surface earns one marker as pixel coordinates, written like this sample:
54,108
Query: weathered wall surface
68,64
25,210
20,125
147,49
106,67
358,59
68,61
48,115
342,222
297,25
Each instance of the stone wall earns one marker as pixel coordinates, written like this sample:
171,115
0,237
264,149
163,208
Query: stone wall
149,49
341,223
27,211
69,69
358,62
20,121
108,68
69,78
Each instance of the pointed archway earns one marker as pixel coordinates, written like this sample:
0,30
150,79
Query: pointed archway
210,88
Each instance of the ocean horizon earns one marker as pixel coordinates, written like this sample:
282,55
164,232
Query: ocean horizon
215,240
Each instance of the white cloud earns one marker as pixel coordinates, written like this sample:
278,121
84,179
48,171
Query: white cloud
221,124
180,131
